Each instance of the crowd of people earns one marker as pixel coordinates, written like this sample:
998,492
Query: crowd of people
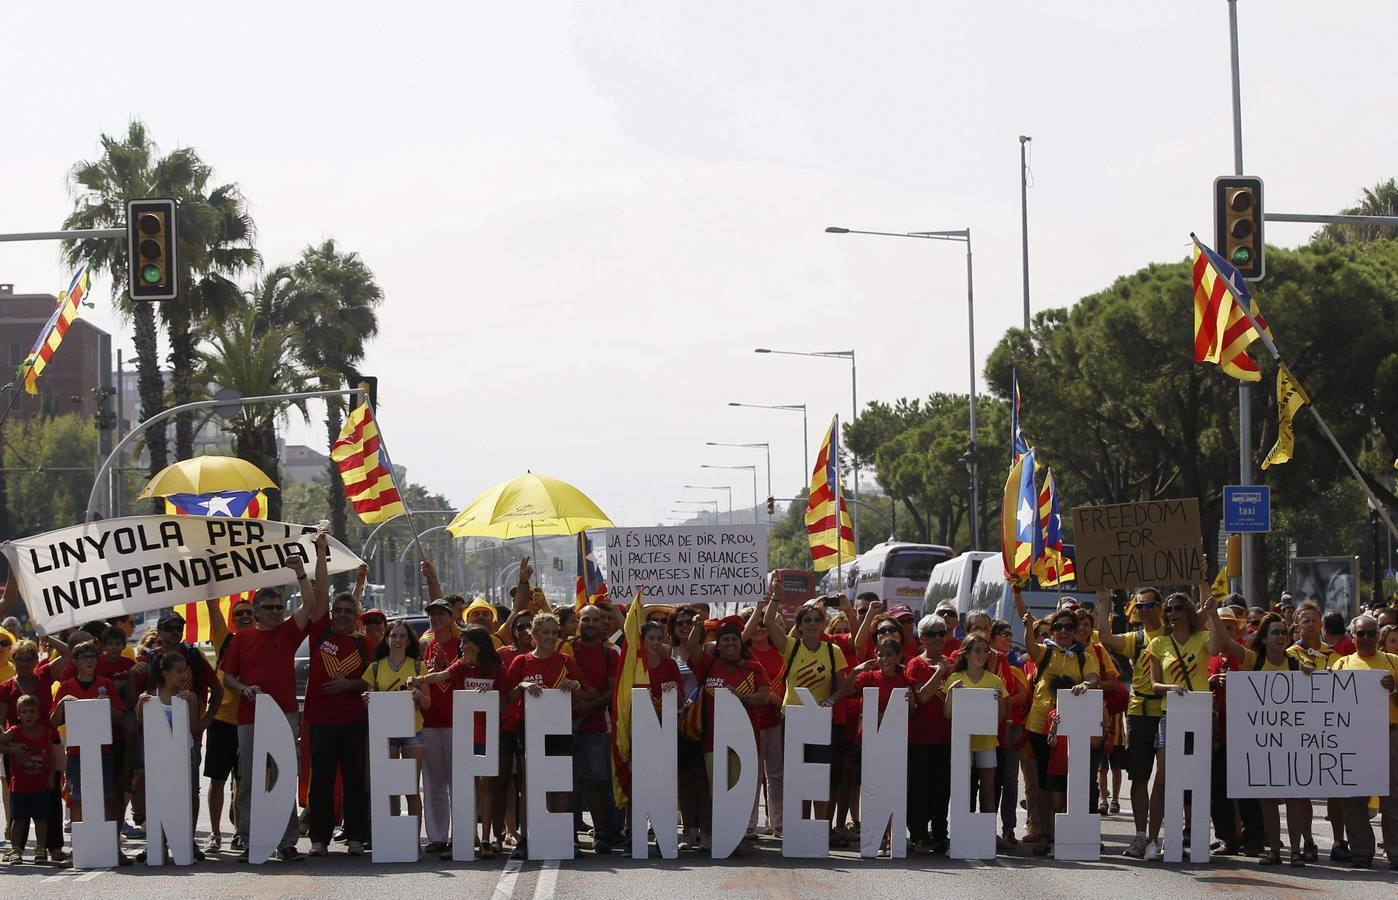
1136,653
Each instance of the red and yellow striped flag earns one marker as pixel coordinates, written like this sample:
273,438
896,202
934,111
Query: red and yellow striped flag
369,485
1222,333
54,330
829,529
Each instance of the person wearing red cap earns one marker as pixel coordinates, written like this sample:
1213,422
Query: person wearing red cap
374,624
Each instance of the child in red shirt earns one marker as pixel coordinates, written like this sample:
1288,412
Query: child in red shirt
86,684
37,756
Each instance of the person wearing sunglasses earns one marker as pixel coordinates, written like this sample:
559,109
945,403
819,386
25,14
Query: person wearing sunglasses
261,660
1367,655
1060,660
1144,710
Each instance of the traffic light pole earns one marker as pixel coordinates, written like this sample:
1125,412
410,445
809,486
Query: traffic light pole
76,234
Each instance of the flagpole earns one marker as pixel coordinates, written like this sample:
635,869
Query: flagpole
839,522
1310,407
393,475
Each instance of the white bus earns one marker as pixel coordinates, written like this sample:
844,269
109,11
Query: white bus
896,571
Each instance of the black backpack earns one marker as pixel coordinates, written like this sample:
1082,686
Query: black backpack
1292,663
1048,658
830,653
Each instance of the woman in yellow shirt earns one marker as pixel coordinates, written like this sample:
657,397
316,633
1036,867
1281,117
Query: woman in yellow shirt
970,671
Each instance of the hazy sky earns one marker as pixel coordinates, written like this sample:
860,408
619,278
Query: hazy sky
586,216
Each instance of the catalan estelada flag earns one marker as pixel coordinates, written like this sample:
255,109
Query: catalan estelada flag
369,484
829,529
234,504
1053,566
1222,333
631,674
1018,445
591,586
1019,531
54,330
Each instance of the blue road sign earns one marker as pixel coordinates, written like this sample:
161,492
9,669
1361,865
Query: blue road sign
1247,508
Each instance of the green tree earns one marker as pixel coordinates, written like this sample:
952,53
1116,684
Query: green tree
51,470
1380,200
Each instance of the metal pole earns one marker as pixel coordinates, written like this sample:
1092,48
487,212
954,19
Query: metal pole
364,552
73,235
188,407
117,486
1024,221
971,339
854,404
768,448
1244,398
805,447
754,495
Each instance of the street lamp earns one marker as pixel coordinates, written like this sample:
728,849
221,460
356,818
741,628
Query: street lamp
753,470
715,487
703,503
759,445
805,445
962,235
854,409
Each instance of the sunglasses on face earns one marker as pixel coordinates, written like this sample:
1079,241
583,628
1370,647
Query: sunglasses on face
887,629
1147,604
1176,608
1064,626
1366,633
5,645
947,613
242,613
934,634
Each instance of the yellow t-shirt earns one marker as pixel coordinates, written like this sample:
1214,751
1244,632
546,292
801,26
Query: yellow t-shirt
990,681
1323,657
1250,660
228,706
1381,661
1061,662
1143,702
810,669
1182,663
381,676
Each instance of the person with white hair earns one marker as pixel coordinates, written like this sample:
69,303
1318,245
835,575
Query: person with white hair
1367,655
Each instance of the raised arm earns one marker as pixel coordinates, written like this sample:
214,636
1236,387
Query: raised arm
775,636
1031,639
754,621
866,627
361,581
429,575
1113,642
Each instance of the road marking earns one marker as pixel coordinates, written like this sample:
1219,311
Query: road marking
74,875
548,881
88,876
505,887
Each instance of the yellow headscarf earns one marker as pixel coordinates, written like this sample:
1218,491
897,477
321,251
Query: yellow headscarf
7,666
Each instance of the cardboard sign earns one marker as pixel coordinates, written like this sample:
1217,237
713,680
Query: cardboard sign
102,570
1133,544
723,564
1296,735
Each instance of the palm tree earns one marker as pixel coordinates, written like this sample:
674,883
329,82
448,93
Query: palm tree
335,296
254,359
1381,200
214,235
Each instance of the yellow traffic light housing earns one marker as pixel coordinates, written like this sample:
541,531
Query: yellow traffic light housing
1238,223
150,249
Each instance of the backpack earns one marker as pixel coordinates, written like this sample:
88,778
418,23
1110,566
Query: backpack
1118,698
1047,658
1292,663
830,654
373,671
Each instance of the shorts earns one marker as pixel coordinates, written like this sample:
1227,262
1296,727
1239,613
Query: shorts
1039,743
109,782
984,759
691,755
33,806
406,743
1141,734
592,757
221,756
554,744
1115,760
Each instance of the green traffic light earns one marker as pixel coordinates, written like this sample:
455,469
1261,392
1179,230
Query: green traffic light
1242,256
150,274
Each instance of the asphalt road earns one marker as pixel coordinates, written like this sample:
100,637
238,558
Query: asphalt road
761,875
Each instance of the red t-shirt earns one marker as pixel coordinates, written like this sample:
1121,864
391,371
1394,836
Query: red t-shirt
99,688
32,774
597,665
469,677
667,671
928,724
885,683
334,656
266,659
1344,646
118,670
438,715
747,677
950,645
774,664
10,692
846,712
526,668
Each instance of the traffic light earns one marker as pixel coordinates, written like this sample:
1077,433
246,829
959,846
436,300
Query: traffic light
372,382
1238,223
771,505
150,249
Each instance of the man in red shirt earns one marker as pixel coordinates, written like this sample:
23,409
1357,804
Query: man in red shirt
86,684
339,732
592,748
261,660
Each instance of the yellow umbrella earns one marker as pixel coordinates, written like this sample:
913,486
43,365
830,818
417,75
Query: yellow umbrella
206,475
527,506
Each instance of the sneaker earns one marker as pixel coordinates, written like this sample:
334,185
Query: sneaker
239,843
214,843
41,856
435,847
355,848
1136,849
519,852
601,846
13,857
1102,808
1152,852
290,854
1340,853
199,855
58,856
1309,851
318,849
1114,808
132,831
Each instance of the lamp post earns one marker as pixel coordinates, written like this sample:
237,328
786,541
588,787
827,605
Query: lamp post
759,445
962,235
715,487
703,503
753,470
805,440
854,411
